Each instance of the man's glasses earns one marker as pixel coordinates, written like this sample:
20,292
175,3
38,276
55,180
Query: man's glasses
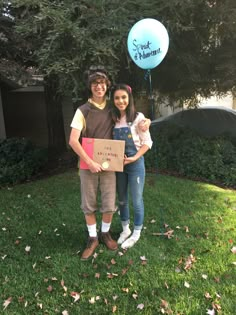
96,83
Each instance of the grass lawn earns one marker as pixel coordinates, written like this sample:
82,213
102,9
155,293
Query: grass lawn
42,233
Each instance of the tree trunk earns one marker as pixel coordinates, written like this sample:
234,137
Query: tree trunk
55,123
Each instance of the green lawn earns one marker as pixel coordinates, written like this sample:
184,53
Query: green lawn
42,233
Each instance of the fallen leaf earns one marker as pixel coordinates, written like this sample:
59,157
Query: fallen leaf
49,288
169,234
27,249
113,262
186,284
135,296
97,275
233,250
166,285
115,297
125,290
216,306
140,306
204,276
164,304
65,312
92,300
152,221
75,295
40,305
7,302
186,229
207,295
114,308
143,258
124,271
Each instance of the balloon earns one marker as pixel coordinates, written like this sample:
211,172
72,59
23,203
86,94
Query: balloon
148,43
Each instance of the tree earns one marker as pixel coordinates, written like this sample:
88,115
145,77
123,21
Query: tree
68,36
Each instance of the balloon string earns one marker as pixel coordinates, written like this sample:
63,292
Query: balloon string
148,76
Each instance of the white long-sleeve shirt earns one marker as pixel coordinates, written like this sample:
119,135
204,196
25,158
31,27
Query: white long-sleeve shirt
139,137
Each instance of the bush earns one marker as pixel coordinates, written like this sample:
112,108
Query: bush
181,150
19,160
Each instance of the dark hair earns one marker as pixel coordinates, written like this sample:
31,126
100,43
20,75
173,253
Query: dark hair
131,112
94,73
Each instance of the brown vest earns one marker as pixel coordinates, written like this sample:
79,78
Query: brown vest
99,123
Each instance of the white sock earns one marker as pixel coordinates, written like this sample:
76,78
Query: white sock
136,234
92,230
105,227
125,226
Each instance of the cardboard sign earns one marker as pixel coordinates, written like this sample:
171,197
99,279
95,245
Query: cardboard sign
108,153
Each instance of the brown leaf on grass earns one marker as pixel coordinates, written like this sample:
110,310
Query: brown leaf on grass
164,304
113,262
166,285
123,272
111,275
186,229
65,312
130,262
97,275
189,262
114,308
207,295
21,299
168,234
216,306
49,288
17,242
125,290
105,301
75,296
7,302
217,280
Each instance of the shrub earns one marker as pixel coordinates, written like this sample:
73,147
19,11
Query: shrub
181,150
19,160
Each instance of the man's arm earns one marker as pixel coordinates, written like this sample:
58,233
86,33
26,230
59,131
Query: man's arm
144,125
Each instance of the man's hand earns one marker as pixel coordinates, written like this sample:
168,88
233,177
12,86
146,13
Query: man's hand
94,167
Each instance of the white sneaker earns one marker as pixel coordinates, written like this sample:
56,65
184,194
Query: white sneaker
123,236
129,243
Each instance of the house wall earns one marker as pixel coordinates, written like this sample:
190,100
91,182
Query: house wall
25,116
68,114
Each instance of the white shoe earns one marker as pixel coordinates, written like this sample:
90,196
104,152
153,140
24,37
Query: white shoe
129,243
123,236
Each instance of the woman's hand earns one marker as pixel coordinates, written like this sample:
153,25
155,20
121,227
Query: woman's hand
131,159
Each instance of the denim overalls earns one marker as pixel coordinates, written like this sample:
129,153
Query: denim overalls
132,177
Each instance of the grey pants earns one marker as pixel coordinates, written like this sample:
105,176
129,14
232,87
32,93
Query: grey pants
91,184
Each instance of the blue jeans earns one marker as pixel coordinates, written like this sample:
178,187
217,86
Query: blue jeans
131,180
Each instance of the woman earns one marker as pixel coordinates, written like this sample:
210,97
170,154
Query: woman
137,143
